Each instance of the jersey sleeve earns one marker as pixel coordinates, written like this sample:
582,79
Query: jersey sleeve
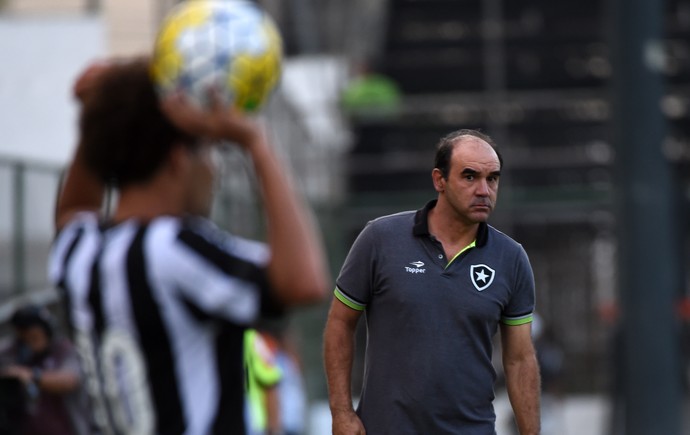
64,244
521,306
354,283
220,275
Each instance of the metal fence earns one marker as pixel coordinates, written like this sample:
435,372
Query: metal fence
27,198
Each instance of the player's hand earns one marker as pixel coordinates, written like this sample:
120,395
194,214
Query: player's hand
88,79
217,123
347,423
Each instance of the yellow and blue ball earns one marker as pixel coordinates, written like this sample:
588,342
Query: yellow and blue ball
231,46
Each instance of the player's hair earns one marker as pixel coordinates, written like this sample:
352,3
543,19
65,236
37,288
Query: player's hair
124,134
444,149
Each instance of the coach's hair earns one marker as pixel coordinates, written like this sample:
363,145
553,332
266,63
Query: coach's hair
444,149
124,134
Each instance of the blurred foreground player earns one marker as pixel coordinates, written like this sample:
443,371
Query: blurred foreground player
158,296
435,285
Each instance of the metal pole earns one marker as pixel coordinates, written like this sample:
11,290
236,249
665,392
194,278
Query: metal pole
648,272
18,227
308,31
495,88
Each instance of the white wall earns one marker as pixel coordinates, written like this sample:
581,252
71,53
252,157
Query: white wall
41,57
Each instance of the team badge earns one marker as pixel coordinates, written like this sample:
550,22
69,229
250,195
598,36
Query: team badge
481,276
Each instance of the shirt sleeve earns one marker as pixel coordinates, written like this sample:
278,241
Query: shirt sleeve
521,306
355,281
65,241
220,275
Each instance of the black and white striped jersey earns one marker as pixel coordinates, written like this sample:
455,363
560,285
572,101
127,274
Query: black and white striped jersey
157,312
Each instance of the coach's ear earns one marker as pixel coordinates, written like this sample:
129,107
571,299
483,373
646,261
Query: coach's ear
439,180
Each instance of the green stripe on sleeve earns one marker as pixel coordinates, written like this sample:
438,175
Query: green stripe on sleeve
516,321
347,301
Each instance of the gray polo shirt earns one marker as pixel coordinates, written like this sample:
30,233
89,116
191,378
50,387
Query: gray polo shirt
430,323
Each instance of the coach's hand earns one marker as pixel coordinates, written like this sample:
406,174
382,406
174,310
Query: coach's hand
347,423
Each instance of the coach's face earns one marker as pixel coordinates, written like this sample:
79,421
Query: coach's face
471,187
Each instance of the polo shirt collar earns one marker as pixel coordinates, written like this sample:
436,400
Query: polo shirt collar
421,224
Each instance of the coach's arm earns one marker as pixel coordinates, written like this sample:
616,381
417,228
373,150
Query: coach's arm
338,356
522,376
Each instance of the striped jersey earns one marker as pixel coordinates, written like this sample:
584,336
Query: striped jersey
157,311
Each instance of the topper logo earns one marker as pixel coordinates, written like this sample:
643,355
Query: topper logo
417,267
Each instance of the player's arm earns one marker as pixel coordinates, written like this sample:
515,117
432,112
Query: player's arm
297,269
297,257
522,376
339,349
81,189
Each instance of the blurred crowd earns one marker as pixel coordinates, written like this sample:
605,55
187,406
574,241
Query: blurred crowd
42,382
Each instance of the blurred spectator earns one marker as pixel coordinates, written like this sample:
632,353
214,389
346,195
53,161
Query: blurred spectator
292,396
371,95
42,370
263,375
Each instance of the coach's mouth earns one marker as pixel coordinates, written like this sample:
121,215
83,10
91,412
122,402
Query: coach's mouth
481,207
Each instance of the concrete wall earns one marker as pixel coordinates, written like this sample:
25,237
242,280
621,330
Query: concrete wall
41,57
44,7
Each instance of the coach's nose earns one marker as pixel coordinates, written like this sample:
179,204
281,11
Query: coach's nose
482,187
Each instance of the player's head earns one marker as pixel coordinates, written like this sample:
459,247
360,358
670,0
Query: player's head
445,147
125,136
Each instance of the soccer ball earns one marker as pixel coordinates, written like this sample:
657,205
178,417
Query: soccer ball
230,46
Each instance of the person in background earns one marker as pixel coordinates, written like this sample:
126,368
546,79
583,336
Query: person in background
47,367
371,95
263,377
291,391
